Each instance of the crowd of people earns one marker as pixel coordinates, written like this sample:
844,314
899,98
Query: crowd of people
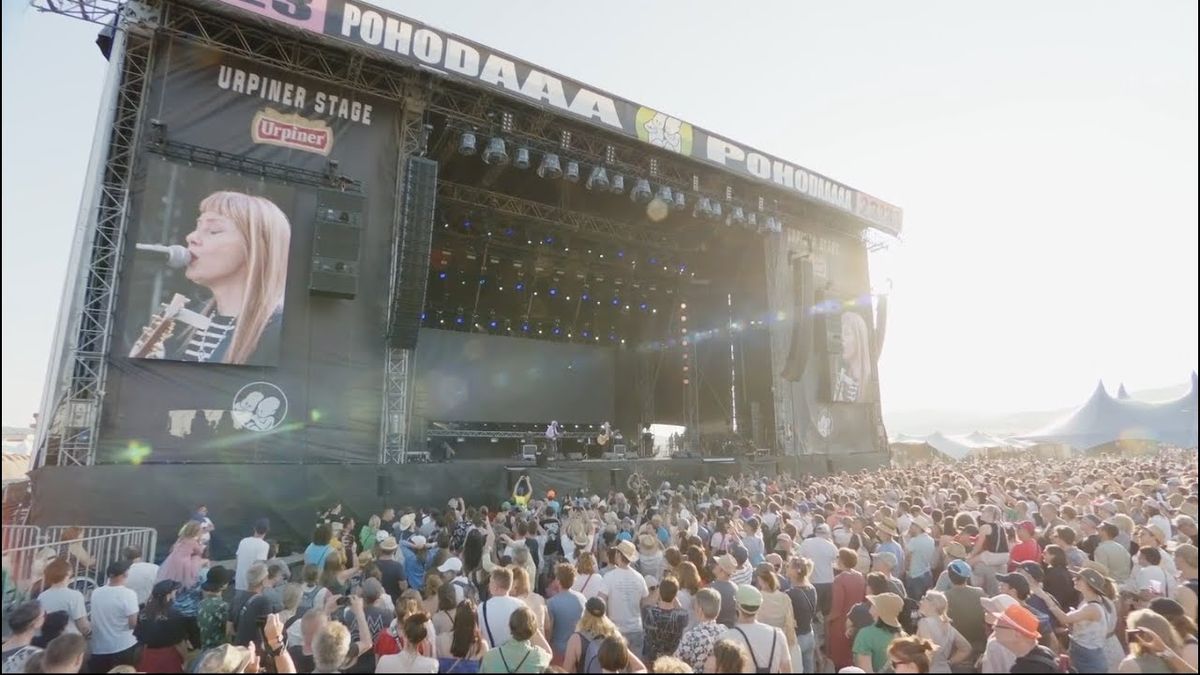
1018,565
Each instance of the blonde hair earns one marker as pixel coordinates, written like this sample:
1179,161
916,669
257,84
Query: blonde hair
599,626
520,581
190,530
331,646
860,364
940,605
267,235
670,664
1157,623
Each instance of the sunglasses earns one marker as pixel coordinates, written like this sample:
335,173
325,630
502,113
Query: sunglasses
897,664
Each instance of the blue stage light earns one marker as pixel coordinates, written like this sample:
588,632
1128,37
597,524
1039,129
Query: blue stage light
616,301
553,291
441,275
520,286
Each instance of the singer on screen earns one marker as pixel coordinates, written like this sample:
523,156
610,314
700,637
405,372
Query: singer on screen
854,365
239,257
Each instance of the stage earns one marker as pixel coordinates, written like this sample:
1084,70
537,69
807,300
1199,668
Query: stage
163,496
454,255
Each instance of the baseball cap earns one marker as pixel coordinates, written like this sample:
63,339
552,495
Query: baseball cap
1015,581
595,607
1033,569
451,565
822,529
1019,619
886,557
960,567
998,603
748,597
1027,525
740,554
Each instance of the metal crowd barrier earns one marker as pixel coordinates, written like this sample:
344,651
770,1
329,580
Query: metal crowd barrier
88,549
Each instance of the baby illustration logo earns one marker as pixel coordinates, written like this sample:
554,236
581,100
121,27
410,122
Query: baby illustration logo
666,132
259,406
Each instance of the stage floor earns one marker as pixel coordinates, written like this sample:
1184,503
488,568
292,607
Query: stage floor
163,496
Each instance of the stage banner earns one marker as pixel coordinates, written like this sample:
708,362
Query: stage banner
220,353
404,40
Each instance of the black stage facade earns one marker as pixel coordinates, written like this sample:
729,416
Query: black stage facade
318,248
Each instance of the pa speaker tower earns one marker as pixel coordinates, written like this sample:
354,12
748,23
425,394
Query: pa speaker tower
411,254
337,237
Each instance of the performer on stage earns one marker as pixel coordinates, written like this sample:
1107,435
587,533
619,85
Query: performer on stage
553,433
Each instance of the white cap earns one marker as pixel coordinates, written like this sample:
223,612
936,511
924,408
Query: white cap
451,565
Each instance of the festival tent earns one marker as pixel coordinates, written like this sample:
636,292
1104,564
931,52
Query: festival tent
1103,420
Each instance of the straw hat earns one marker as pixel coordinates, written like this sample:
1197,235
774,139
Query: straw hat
955,550
888,525
888,606
407,521
627,549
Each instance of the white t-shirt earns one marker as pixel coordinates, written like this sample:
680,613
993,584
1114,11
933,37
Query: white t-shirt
66,600
140,579
405,662
590,585
1164,524
249,551
111,608
493,618
626,588
759,636
823,554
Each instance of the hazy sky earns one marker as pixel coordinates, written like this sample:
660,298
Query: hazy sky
1045,155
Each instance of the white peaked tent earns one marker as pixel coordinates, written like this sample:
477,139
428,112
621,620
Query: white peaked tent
1103,420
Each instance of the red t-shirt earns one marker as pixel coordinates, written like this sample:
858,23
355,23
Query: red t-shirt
1026,551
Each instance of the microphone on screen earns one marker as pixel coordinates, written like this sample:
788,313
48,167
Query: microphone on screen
176,256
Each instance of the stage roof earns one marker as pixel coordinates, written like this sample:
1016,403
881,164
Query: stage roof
1104,419
415,44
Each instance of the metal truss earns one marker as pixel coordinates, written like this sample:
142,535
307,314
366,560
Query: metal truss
399,437
575,221
102,12
74,411
225,161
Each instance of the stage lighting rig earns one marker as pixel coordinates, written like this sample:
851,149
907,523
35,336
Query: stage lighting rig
617,185
598,179
467,144
550,168
496,153
522,160
572,173
641,191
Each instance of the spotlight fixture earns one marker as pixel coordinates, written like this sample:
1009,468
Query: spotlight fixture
522,159
715,211
680,201
549,168
466,144
664,193
703,208
641,191
752,220
495,153
572,173
737,215
617,185
598,179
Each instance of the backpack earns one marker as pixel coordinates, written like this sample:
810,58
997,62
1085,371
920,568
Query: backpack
909,616
591,654
469,590
308,600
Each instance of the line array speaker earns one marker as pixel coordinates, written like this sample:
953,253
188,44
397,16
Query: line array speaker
411,251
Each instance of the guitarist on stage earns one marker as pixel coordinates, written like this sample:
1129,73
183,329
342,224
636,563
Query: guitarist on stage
553,433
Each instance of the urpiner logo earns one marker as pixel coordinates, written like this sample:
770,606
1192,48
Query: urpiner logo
291,131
